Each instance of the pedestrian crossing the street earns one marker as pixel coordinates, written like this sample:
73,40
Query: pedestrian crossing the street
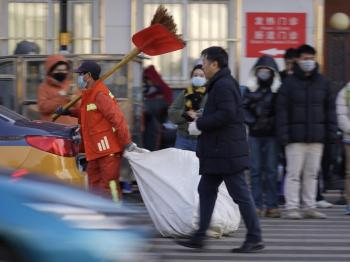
303,240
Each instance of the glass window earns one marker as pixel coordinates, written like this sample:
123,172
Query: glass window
208,26
82,29
39,22
56,27
117,82
205,24
35,75
170,65
7,67
10,114
27,21
7,92
7,84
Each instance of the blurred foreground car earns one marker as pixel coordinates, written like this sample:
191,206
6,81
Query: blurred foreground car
42,221
40,147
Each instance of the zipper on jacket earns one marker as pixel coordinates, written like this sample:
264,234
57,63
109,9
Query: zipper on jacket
308,87
216,143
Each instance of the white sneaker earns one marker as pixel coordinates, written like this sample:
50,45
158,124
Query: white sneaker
323,204
293,214
314,214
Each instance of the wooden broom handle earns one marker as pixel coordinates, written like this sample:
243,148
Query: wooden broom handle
126,59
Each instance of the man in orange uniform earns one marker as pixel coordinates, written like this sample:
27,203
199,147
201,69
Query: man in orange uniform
104,131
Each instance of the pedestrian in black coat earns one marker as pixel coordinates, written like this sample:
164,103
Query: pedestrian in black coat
306,109
222,147
306,119
259,104
223,151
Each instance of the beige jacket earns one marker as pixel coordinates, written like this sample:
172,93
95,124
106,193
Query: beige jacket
343,110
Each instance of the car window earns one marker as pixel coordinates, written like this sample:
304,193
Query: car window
11,114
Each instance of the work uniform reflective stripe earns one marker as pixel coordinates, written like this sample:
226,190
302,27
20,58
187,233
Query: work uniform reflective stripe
111,95
103,144
95,126
90,107
106,142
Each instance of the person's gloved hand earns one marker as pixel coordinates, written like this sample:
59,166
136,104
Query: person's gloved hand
62,112
132,147
193,129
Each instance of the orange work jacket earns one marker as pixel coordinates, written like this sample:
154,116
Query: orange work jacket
49,97
103,125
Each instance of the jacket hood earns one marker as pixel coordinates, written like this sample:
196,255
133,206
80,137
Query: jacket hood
152,74
264,61
53,60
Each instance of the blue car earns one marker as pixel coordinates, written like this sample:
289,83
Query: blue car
43,220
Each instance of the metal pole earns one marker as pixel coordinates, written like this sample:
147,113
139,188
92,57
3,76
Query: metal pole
64,34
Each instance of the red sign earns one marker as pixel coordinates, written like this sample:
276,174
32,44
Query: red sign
273,33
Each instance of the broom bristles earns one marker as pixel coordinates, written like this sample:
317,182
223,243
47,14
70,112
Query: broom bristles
164,18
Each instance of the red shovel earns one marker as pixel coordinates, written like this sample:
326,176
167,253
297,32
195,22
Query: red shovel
157,39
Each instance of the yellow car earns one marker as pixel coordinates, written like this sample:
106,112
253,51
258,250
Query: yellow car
41,147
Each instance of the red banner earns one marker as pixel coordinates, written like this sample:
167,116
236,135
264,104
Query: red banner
273,33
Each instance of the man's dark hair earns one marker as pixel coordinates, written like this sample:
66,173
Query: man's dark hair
306,49
218,54
290,53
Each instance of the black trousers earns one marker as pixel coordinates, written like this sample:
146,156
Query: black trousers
238,189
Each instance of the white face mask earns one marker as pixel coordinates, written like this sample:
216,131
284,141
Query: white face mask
307,65
263,75
198,81
82,84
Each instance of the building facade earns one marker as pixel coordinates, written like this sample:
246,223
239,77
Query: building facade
106,26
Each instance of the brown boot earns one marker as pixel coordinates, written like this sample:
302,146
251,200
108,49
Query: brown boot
273,213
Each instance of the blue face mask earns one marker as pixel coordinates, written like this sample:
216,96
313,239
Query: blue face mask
82,84
198,81
263,75
307,65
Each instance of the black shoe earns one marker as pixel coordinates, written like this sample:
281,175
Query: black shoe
193,242
249,247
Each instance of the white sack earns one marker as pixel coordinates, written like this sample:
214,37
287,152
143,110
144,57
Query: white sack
168,181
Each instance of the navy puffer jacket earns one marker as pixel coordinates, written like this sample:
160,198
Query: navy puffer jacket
222,147
306,109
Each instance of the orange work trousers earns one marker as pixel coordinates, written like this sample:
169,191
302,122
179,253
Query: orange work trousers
101,172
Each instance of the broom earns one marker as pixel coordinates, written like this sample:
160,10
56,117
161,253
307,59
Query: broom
159,38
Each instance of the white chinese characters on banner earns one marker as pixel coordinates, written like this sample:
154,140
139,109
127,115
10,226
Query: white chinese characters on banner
274,30
259,35
270,35
293,21
282,21
259,21
270,21
293,35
